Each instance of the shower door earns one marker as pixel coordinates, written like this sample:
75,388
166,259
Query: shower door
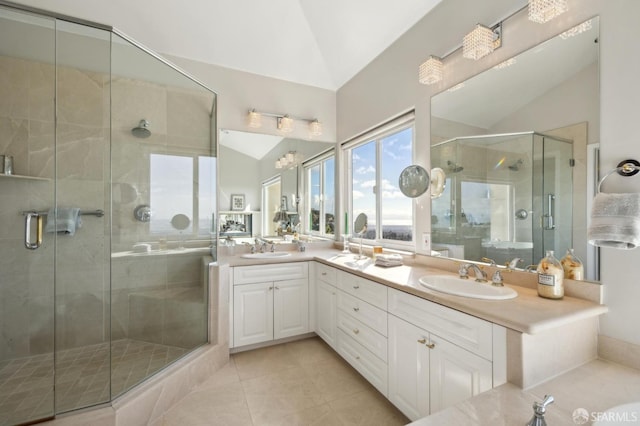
27,135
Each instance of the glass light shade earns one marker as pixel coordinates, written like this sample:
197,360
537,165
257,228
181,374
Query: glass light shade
542,11
478,43
580,28
285,124
278,164
315,128
283,160
255,119
430,71
505,64
290,157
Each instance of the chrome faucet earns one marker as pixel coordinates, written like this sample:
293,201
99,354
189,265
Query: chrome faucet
261,244
481,276
539,408
513,263
496,279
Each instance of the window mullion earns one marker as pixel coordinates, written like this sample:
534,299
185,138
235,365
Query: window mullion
378,192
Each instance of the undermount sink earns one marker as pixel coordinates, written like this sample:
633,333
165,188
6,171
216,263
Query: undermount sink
266,255
619,415
466,287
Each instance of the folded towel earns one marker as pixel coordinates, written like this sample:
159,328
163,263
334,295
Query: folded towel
64,221
388,260
615,221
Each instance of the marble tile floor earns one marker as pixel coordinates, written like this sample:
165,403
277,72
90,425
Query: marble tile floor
298,383
82,377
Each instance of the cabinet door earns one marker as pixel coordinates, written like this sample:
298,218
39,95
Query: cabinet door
326,312
408,368
252,313
455,374
291,308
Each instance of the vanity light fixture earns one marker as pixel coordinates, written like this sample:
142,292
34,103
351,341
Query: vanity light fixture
315,128
578,29
255,119
430,72
481,41
284,122
542,11
287,160
505,64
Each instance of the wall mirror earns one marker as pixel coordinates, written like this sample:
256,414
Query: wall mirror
518,144
248,167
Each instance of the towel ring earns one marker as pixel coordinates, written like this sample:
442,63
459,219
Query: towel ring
625,168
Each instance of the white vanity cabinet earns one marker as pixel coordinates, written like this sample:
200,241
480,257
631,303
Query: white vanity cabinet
437,356
362,327
326,299
269,302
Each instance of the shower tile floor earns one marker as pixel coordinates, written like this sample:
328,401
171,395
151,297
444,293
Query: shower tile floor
82,377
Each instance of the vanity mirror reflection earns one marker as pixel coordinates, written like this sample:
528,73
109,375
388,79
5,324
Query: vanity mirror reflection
248,166
518,143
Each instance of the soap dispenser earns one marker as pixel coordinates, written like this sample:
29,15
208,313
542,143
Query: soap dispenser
572,265
550,277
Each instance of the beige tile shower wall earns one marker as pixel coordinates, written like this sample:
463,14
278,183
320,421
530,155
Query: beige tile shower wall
26,278
155,298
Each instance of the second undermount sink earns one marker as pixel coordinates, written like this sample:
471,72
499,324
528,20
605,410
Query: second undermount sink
466,287
267,255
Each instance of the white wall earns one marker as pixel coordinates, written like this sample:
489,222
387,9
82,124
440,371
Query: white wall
389,85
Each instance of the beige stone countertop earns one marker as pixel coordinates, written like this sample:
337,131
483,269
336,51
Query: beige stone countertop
527,313
594,388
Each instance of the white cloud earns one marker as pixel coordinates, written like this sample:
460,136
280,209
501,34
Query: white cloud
368,184
392,194
356,195
362,170
355,157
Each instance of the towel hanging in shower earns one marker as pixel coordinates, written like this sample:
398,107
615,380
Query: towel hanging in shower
63,221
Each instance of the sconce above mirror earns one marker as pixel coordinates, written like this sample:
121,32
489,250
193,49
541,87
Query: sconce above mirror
488,136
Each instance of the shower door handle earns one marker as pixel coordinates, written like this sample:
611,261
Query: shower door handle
27,230
551,200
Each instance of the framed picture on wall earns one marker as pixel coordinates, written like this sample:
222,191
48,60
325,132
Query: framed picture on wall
237,202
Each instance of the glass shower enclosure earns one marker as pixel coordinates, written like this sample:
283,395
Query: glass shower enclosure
106,221
506,196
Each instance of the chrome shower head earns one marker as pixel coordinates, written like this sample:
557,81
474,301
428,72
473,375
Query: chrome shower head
142,131
516,166
453,167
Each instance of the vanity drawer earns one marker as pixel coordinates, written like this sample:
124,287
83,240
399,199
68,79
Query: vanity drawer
272,272
361,333
369,291
374,317
326,273
464,330
370,366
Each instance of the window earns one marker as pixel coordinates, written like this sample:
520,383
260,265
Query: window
185,185
376,161
320,202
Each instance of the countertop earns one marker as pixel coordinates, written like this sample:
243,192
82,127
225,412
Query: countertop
527,313
592,388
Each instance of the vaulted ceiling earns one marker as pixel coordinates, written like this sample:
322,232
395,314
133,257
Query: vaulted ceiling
321,43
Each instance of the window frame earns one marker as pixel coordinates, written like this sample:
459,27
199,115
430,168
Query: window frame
319,160
376,135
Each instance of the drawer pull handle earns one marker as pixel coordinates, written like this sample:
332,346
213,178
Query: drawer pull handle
277,288
356,331
356,287
324,273
422,341
356,309
431,345
334,293
358,357
270,288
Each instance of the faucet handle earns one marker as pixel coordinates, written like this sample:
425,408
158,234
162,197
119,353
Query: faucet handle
490,261
496,279
541,407
463,271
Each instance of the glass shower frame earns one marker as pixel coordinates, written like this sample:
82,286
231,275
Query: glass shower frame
63,300
507,196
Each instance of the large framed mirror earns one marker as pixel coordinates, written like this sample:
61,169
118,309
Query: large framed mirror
266,171
518,143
